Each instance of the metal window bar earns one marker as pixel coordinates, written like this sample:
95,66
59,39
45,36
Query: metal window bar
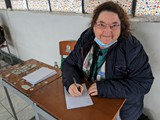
49,3
134,3
83,7
27,5
8,4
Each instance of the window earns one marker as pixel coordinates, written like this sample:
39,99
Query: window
143,8
148,7
67,5
40,5
19,4
2,4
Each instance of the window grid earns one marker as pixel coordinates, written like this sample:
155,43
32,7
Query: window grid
132,7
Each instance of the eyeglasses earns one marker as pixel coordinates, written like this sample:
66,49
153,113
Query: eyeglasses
101,25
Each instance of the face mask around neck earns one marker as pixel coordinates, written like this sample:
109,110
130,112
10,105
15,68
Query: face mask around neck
102,44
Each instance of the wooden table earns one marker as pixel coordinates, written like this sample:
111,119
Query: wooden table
13,81
50,103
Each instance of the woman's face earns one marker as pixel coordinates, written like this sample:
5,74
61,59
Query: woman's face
108,27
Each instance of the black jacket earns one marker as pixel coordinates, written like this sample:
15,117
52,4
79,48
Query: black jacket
128,73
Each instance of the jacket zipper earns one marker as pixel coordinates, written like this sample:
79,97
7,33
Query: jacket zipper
109,52
82,54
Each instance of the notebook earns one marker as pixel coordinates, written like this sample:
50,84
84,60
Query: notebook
39,75
77,102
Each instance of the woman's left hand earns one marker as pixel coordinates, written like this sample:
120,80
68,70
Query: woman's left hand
93,90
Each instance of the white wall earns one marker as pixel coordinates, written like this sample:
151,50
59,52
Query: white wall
36,35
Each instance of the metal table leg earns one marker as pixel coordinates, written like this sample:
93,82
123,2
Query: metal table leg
35,111
10,103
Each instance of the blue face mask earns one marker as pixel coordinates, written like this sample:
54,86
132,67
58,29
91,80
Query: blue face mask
102,44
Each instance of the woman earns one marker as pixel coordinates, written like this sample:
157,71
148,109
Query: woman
112,59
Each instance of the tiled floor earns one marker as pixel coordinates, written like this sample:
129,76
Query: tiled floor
23,110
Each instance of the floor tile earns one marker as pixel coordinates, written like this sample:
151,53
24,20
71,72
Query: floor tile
4,115
26,114
18,103
3,94
11,118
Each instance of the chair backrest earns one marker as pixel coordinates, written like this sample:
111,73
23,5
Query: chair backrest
65,48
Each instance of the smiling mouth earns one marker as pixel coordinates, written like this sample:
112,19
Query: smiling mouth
107,36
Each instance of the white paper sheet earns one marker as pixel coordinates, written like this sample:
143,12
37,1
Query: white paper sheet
80,101
39,75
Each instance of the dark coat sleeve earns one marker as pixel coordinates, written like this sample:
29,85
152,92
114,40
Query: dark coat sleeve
139,79
73,63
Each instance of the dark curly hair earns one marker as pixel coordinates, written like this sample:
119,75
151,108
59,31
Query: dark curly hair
113,7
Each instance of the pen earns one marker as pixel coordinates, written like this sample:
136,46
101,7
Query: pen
76,84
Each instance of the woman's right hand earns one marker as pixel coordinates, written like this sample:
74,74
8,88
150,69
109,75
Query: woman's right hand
75,90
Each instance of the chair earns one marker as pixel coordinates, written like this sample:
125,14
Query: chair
3,45
65,48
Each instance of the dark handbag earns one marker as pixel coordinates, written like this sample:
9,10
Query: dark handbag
2,37
143,117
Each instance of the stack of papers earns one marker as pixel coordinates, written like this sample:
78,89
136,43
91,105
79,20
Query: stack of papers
39,75
80,101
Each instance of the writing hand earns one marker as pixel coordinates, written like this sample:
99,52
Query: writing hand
93,90
75,90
